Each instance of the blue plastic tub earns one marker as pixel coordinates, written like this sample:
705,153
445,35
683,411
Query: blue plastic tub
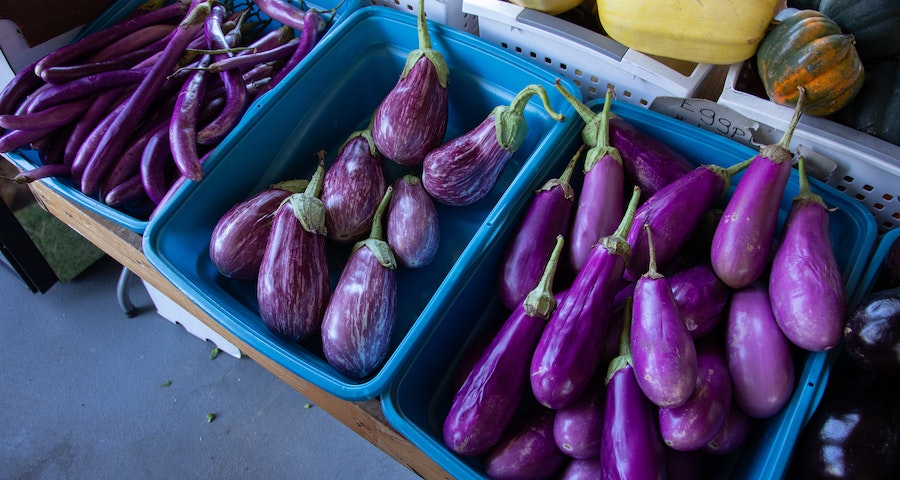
135,219
419,399
334,94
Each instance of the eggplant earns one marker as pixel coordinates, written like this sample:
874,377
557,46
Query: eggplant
701,297
601,201
577,427
662,350
413,226
483,407
582,469
527,450
733,433
239,239
805,282
742,243
354,185
631,447
463,170
548,216
872,333
293,287
571,346
693,424
648,162
362,311
412,118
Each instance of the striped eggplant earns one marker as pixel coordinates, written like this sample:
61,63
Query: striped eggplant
412,118
484,405
360,317
239,238
571,346
701,297
548,216
464,169
648,162
742,243
527,450
354,185
601,200
805,283
293,287
662,350
413,226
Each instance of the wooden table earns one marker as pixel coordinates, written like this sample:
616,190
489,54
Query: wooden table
365,418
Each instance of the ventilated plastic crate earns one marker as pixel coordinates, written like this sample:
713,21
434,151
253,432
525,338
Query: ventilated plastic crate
332,96
446,12
420,398
588,58
867,168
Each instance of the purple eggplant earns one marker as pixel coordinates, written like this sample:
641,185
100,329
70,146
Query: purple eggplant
413,228
360,317
293,287
354,186
694,423
805,283
701,297
547,217
601,200
571,346
733,433
582,469
631,447
484,405
527,450
463,170
759,354
648,162
577,427
742,243
412,118
662,350
239,238
675,212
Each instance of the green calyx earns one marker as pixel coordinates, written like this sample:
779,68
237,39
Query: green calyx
624,358
540,302
307,206
596,129
806,193
375,242
366,134
433,56
293,186
509,120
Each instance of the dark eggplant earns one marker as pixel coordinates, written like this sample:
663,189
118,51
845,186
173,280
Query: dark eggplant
742,243
548,216
662,350
293,287
732,434
362,311
484,405
527,449
571,346
412,118
701,297
805,282
354,185
582,469
413,228
463,170
648,162
872,333
239,238
577,427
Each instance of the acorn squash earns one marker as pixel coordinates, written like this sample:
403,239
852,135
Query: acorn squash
875,24
806,48
874,110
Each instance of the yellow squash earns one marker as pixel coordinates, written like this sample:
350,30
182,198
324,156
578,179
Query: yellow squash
702,31
550,7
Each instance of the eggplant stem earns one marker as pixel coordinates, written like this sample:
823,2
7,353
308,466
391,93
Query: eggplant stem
624,356
318,179
377,228
651,271
625,226
521,100
540,302
583,110
737,167
566,176
785,141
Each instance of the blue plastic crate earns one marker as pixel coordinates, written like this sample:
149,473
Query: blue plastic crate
420,398
332,96
136,219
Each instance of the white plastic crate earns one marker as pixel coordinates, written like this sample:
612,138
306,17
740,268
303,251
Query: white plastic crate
591,60
866,167
445,12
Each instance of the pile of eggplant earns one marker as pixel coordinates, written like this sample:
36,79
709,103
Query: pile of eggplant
280,237
647,327
129,111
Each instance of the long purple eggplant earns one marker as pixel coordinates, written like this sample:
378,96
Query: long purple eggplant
413,228
412,118
648,162
239,239
309,38
483,407
662,350
527,450
463,170
701,297
360,317
547,217
601,200
742,243
293,288
631,447
805,283
577,428
758,353
570,348
23,84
